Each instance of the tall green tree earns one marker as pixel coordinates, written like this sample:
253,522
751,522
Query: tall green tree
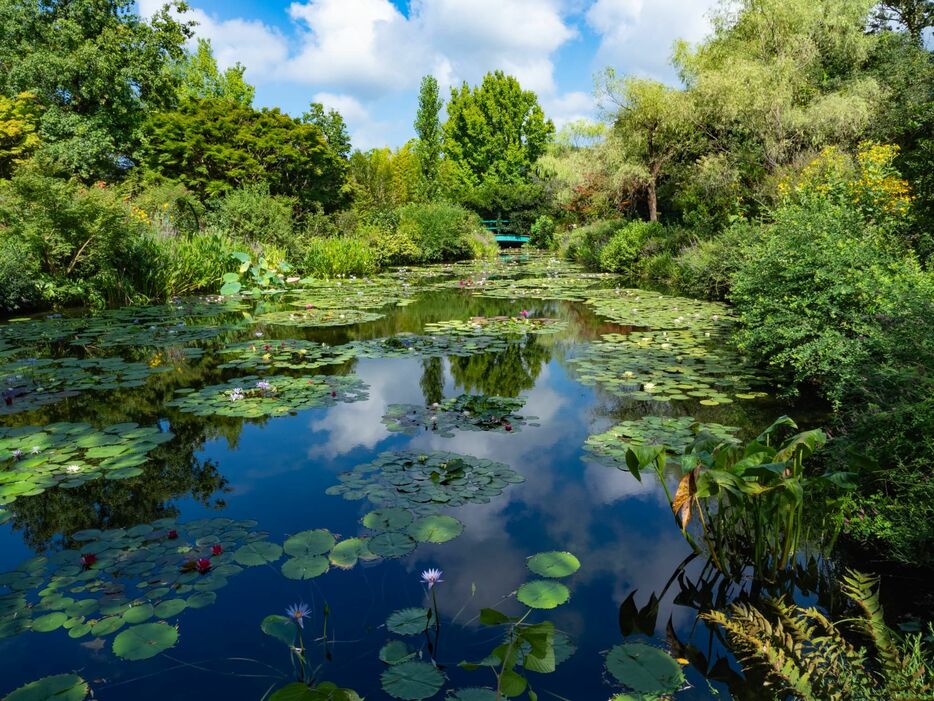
212,146
428,129
496,130
96,67
199,77
914,15
332,126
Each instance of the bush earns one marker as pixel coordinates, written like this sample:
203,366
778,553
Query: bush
542,234
706,268
19,271
621,252
81,237
391,245
196,265
584,245
252,216
442,232
332,257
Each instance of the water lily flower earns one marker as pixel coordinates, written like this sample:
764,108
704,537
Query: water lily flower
217,549
333,393
203,565
431,577
258,334
173,534
524,313
298,612
88,559
508,427
435,405
72,469
17,453
35,450
263,385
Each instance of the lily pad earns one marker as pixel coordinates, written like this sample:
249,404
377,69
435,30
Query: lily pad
436,529
554,564
543,594
391,519
60,687
391,544
145,641
305,567
644,669
409,621
314,542
412,680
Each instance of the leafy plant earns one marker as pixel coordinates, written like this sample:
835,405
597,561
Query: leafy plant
806,656
255,277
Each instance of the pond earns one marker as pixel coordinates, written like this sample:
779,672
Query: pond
173,478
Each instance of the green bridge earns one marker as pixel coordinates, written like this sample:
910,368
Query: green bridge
504,239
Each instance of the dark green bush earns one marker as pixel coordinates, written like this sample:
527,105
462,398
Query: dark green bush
622,251
542,234
19,271
584,244
706,268
253,217
441,232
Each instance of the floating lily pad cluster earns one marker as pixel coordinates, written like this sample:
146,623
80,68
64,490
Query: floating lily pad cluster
252,396
318,317
397,531
409,345
420,482
496,326
370,294
467,412
130,580
658,311
292,354
666,366
33,459
574,289
312,553
676,434
644,669
29,384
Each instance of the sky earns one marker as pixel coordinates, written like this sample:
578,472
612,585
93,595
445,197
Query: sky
366,58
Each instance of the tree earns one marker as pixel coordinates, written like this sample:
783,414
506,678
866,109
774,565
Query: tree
495,131
96,68
19,125
651,128
199,77
212,146
428,128
332,125
914,15
384,179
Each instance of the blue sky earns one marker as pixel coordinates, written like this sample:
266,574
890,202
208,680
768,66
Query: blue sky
366,57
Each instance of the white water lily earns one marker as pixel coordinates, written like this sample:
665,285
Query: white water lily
72,469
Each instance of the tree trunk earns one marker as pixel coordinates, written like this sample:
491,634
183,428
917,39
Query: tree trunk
653,201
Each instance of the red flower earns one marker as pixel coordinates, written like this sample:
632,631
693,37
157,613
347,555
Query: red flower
173,535
203,565
508,427
333,393
88,559
217,549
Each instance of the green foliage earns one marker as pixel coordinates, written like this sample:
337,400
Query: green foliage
584,245
384,179
19,272
255,276
213,146
251,215
441,232
391,245
332,126
428,129
496,130
621,252
96,68
335,257
706,268
542,233
199,77
19,125
806,656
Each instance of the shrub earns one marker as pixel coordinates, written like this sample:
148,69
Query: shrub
621,252
196,265
706,268
441,231
584,245
331,257
19,271
542,234
252,216
170,207
391,245
81,237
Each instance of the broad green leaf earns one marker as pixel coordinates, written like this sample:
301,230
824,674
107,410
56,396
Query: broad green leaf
145,641
543,594
60,687
644,669
554,564
412,680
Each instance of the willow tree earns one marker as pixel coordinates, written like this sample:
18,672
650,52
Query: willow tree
651,128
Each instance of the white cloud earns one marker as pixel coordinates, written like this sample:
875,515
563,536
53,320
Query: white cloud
350,107
637,36
569,107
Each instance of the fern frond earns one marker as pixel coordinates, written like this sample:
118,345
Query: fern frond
864,591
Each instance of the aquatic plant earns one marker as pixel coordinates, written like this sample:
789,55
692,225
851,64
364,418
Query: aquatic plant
676,434
806,656
496,326
291,354
466,412
318,317
256,277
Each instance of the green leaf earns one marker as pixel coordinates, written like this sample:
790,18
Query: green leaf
138,614
258,553
60,687
231,288
644,668
391,544
473,694
554,564
389,519
412,680
145,641
543,594
49,622
492,617
346,553
410,621
436,529
170,608
511,683
279,627
394,652
305,567
316,542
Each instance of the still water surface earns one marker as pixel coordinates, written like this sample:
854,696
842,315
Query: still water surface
275,472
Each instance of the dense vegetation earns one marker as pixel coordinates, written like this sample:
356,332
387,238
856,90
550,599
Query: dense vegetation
790,173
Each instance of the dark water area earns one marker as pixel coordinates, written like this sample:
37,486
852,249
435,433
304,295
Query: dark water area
274,474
